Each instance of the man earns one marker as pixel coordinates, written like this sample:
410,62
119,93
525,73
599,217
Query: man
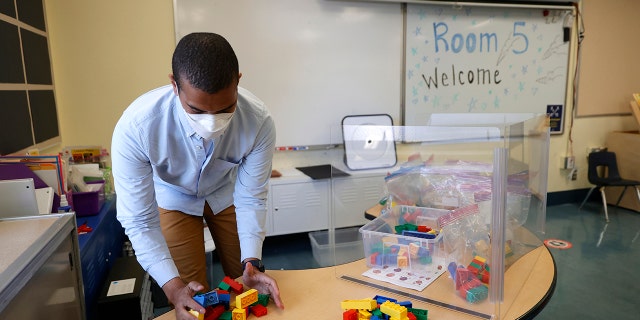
199,148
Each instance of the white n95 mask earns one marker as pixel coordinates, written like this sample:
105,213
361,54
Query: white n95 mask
209,126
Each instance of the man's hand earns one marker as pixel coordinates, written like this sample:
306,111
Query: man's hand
262,282
181,296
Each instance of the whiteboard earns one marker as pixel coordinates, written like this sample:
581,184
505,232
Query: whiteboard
312,62
483,60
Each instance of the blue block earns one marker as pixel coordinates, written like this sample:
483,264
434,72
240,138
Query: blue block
418,234
381,299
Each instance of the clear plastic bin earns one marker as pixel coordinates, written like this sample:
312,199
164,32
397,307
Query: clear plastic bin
348,246
383,247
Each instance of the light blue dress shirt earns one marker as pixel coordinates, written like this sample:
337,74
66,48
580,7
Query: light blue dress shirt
159,160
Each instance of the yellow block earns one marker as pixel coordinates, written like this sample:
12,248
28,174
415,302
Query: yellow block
197,314
393,309
239,314
363,304
246,299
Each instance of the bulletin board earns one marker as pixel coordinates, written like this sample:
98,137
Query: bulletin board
469,59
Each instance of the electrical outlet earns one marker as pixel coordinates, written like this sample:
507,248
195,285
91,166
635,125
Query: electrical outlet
574,175
569,162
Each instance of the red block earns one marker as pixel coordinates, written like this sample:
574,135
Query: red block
411,316
258,310
213,312
350,315
373,258
235,286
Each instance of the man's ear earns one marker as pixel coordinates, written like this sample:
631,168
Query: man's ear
174,83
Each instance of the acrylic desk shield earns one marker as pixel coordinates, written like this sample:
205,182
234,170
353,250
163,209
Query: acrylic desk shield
481,183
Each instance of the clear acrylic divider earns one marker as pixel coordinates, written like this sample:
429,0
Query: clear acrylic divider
455,211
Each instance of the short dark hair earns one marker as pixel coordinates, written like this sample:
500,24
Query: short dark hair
206,60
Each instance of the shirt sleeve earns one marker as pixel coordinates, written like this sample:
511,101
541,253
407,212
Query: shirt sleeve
137,209
251,189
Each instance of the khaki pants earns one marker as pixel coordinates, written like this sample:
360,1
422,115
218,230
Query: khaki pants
184,234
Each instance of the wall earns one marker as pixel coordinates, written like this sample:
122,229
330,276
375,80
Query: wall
106,53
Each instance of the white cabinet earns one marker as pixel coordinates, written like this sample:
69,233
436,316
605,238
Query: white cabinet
352,196
298,207
297,203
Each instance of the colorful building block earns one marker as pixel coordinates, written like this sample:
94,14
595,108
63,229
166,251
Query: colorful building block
420,314
362,304
350,314
198,315
381,299
364,314
239,314
263,299
258,310
394,310
236,287
246,298
214,312
207,299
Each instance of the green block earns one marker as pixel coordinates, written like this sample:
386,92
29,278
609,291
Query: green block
263,299
410,227
426,260
227,315
477,294
421,314
224,286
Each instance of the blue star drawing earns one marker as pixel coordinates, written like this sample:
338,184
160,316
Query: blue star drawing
414,51
472,104
414,91
506,91
422,14
534,27
425,59
415,101
409,74
524,69
436,101
418,31
521,86
426,41
425,98
467,11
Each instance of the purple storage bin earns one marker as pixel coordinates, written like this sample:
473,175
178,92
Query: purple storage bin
88,203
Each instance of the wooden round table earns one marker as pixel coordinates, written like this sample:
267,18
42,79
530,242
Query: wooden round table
317,293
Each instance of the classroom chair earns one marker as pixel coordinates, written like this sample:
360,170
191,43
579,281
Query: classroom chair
603,172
